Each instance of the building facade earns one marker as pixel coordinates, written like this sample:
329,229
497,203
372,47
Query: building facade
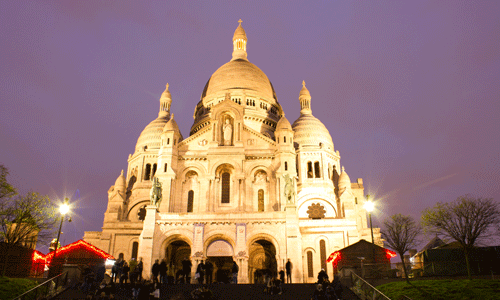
246,185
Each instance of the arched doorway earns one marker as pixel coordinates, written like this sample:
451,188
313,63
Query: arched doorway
262,260
220,254
175,253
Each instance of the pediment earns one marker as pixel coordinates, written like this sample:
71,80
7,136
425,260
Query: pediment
254,138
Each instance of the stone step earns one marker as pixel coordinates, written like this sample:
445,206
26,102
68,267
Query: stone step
220,292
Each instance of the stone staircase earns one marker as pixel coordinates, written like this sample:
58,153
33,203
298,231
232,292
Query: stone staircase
221,292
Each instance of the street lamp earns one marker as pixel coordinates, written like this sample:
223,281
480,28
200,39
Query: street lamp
63,209
369,206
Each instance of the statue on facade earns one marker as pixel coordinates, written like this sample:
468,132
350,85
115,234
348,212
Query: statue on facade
227,129
155,193
289,189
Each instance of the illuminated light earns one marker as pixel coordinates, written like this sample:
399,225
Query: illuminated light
109,262
369,206
334,258
71,247
389,254
64,208
38,257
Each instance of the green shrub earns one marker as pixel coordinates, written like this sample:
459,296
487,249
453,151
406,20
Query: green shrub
12,287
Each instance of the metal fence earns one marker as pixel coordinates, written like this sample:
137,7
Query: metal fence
47,289
364,290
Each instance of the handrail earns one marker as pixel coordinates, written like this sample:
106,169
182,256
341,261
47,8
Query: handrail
48,281
365,290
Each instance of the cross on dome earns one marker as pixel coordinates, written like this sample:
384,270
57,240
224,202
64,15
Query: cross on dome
239,42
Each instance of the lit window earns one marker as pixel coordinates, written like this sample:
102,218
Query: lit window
317,172
261,199
225,188
322,250
310,271
190,201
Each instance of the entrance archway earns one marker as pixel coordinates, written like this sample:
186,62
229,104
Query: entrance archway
175,253
220,254
262,260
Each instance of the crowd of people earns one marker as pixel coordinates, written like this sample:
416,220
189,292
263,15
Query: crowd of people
326,290
126,279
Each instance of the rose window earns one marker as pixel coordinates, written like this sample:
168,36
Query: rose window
316,211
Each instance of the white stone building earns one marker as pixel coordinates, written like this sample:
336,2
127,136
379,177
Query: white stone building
245,185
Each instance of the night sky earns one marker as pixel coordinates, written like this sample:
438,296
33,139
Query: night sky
409,90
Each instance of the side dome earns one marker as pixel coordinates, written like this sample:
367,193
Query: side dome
120,182
283,124
239,74
309,131
151,135
344,180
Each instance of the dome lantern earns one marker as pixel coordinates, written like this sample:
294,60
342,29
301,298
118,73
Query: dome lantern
165,102
305,100
239,43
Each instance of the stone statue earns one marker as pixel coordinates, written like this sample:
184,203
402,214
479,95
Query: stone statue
228,133
289,189
155,193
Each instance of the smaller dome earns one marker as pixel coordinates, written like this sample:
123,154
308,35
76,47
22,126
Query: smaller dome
120,182
171,125
151,135
283,124
309,131
344,180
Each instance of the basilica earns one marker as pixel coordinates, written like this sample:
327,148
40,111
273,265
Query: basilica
244,186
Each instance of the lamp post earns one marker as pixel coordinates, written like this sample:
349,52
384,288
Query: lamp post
63,209
369,206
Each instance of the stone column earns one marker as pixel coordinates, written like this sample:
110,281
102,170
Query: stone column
243,265
294,242
146,240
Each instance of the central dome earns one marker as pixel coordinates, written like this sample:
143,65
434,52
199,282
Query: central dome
239,74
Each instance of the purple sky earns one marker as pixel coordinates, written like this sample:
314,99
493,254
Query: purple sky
409,90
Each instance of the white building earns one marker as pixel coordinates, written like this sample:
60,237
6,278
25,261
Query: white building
244,185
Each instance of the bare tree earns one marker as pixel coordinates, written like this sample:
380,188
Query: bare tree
6,190
23,219
466,220
401,232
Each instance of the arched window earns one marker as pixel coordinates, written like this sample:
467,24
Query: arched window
165,168
168,141
135,248
147,173
317,172
284,139
322,253
225,187
286,166
309,170
154,171
260,196
190,201
310,271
